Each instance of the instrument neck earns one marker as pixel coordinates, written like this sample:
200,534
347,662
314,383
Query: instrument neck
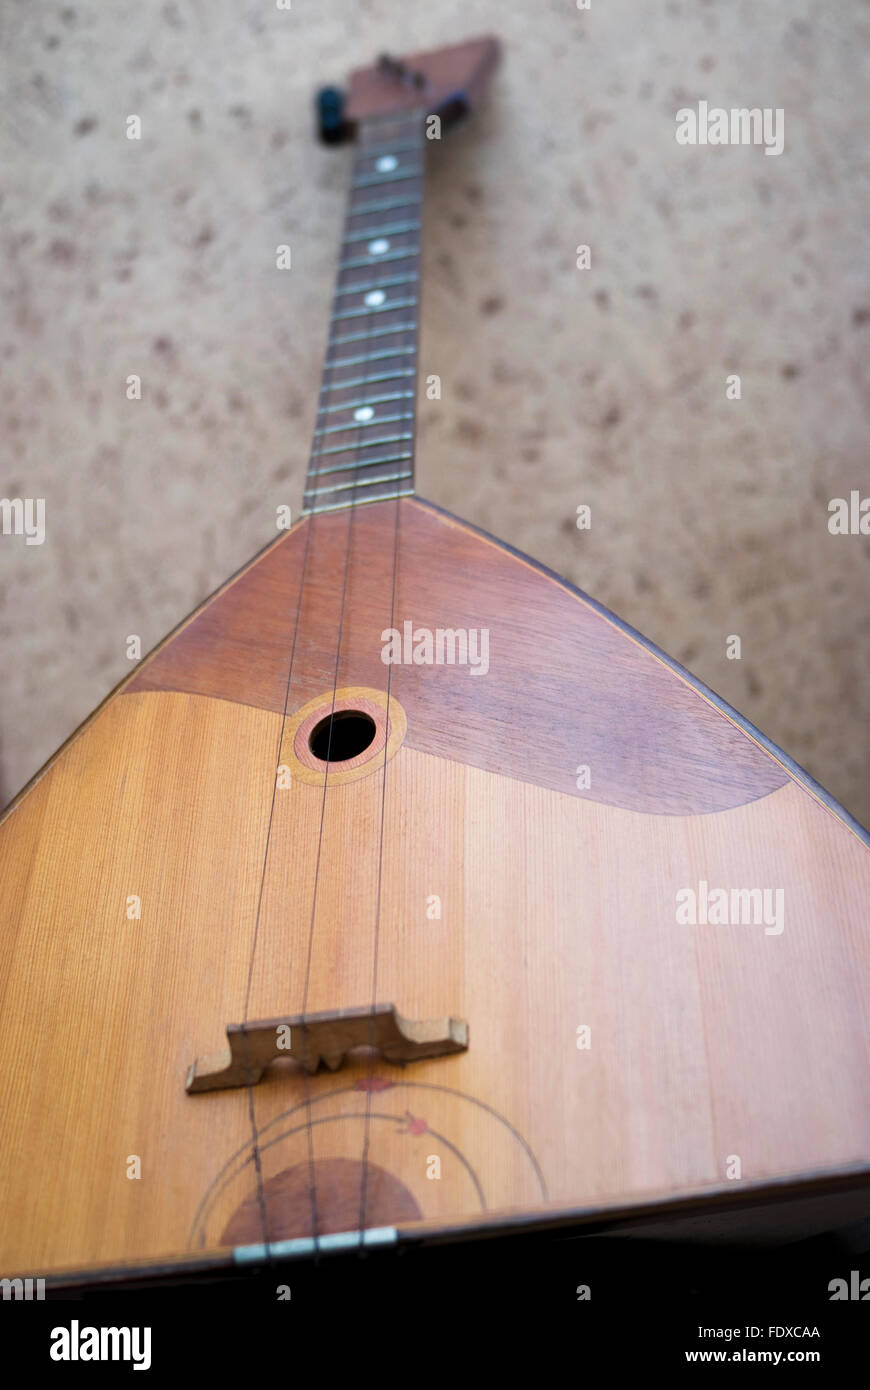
363,445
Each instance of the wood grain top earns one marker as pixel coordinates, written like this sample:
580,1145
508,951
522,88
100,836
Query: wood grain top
556,913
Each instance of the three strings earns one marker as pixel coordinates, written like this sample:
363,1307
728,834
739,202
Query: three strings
396,129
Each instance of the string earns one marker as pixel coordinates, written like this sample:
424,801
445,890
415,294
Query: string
352,506
366,1123
255,1146
374,991
309,1129
348,551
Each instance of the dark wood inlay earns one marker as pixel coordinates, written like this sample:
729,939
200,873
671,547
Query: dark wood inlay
565,686
338,1184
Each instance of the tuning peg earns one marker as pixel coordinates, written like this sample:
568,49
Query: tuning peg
331,125
395,68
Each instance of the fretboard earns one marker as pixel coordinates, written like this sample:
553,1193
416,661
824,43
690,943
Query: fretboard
363,446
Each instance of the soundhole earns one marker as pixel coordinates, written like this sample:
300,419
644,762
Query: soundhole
342,736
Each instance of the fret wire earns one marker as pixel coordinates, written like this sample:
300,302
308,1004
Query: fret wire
345,487
400,148
364,310
364,463
340,506
372,400
375,180
367,357
389,283
362,425
400,131
403,254
375,333
366,380
372,233
359,444
384,205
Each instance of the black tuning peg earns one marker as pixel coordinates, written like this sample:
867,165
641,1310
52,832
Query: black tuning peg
331,125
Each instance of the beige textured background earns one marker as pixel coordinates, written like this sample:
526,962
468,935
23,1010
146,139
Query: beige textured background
560,386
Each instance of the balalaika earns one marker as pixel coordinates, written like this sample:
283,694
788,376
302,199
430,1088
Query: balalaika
404,889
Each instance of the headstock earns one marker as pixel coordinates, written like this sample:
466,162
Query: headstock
446,82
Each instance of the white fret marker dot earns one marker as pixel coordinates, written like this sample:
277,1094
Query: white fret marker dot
375,297
387,163
364,413
378,246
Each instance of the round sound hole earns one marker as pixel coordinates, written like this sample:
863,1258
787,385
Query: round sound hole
342,735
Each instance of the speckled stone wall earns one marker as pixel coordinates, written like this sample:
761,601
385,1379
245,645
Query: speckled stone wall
560,386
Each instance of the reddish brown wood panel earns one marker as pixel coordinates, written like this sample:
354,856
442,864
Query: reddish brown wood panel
286,1199
461,70
565,686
